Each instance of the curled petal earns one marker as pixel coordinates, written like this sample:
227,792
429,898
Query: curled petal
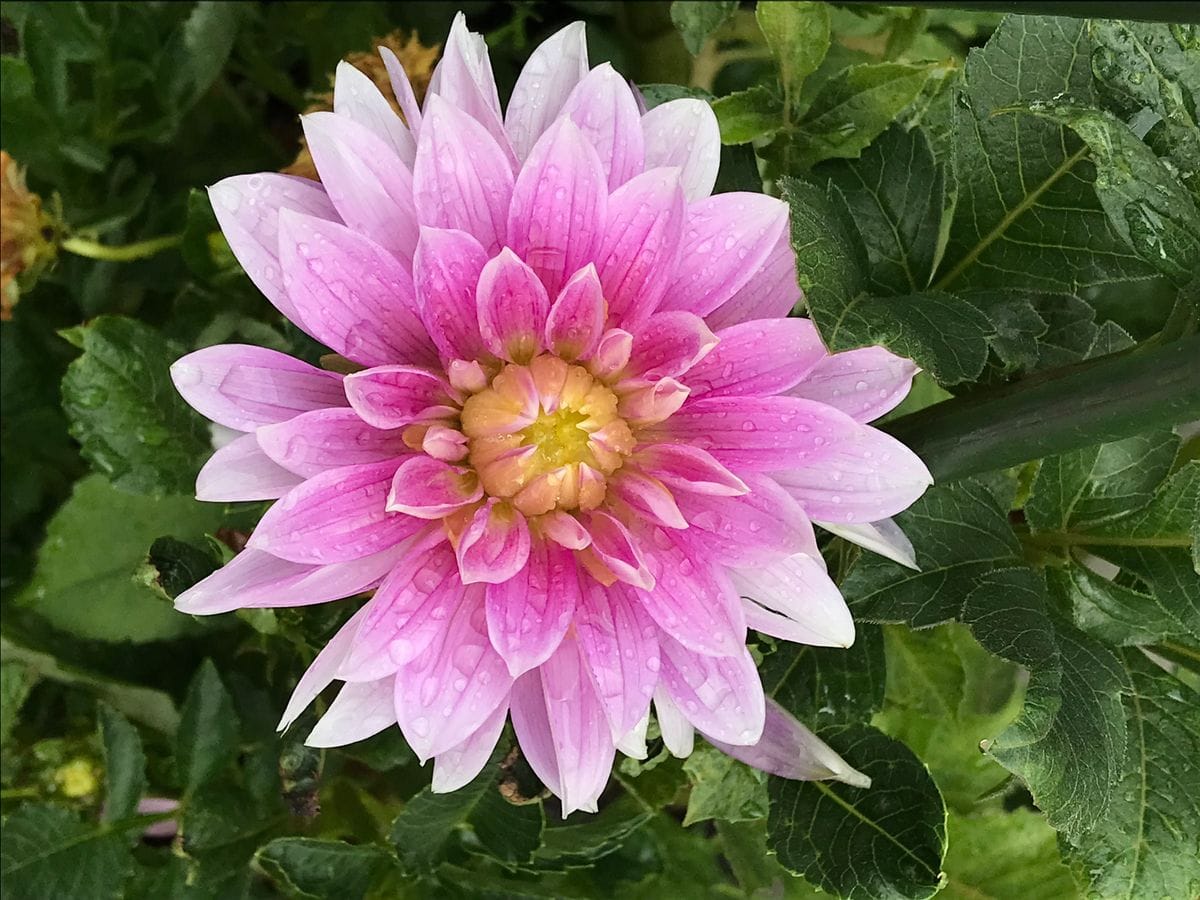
603,107
633,742
576,320
668,345
564,529
684,133
513,307
756,359
459,765
430,489
328,439
648,496
616,548
720,696
356,97
361,709
689,469
612,353
446,270
547,79
241,471
883,537
529,613
495,546
865,383
653,402
390,397
804,604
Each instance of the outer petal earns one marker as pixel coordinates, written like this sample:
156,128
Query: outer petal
757,433
532,725
254,579
242,386
720,696
529,614
241,471
668,345
728,237
557,215
371,187
351,294
576,320
866,477
551,73
677,732
462,178
513,307
883,537
402,89
757,359
320,674
495,546
459,765
864,383
328,439
360,710
639,253
247,209
446,270
390,397
686,468
336,516
771,293
807,606
603,107
790,750
454,685
430,489
356,97
619,643
684,133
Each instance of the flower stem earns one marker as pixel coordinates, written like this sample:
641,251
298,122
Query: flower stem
121,253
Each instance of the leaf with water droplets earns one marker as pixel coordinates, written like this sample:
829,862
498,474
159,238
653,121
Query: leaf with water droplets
695,21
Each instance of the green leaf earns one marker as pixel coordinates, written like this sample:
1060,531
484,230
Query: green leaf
199,51
824,686
883,841
1146,204
312,868
831,261
48,854
695,21
896,193
85,583
747,115
798,35
1005,856
16,681
124,765
1027,215
1144,845
1016,327
124,410
723,788
208,729
173,566
583,839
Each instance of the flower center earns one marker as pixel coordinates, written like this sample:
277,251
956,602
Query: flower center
545,435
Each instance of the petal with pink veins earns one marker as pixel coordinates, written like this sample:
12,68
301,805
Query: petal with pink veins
430,489
390,397
668,345
603,107
356,97
651,403
612,353
691,469
616,548
321,673
495,546
564,529
558,206
337,516
648,496
865,383
328,439
242,386
546,81
351,294
529,614
726,239
402,90
247,209
360,710
459,765
513,308
454,188
576,319
720,696
795,599
532,726
771,293
684,133
242,471
757,359
446,270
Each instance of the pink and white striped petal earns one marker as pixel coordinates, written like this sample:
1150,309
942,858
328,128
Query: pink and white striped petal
576,319
458,766
549,76
360,710
616,548
686,468
356,97
430,489
532,726
529,613
619,643
325,439
668,345
390,397
513,308
684,133
865,383
603,107
758,359
242,471
495,546
772,292
720,696
446,271
648,496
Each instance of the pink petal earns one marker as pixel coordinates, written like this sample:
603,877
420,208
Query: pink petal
430,489
612,353
462,178
619,643
464,77
371,187
648,496
241,471
864,383
532,726
557,212
242,386
726,239
866,476
328,439
459,765
320,674
692,600
255,580
668,345
351,294
639,253
751,529
653,402
771,293
356,97
529,614
495,546
689,469
677,732
720,696
806,606
765,434
454,686
402,89
576,320
394,396
360,710
684,133
336,516
583,744
790,750
605,111
550,74
247,209
446,270
614,545
513,308
883,537
756,359
564,529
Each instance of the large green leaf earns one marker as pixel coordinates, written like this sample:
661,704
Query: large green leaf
723,788
828,685
1027,214
317,869
49,854
124,765
1005,856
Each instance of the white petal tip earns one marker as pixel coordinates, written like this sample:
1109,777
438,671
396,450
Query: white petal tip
854,778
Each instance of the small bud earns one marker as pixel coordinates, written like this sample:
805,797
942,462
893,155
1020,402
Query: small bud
28,235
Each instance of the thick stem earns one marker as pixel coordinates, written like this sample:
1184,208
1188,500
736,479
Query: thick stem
122,253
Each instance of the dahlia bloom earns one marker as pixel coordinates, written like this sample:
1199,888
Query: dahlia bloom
577,433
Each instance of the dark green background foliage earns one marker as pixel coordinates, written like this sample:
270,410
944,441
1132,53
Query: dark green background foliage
1013,202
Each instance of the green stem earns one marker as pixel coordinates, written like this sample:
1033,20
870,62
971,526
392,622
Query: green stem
1101,400
122,253
1067,539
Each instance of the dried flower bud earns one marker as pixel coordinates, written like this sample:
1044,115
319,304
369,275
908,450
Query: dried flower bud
28,235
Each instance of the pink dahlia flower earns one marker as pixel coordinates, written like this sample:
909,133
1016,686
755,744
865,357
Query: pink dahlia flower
581,431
